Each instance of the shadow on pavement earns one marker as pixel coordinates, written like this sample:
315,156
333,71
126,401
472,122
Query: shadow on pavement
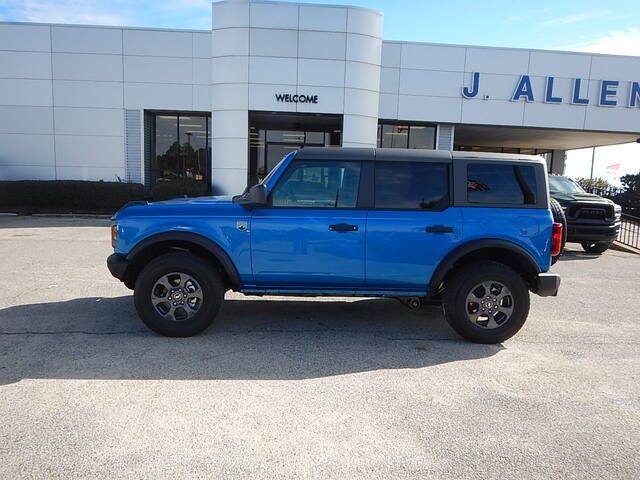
102,338
577,255
28,221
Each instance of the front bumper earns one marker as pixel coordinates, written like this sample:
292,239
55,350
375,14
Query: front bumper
590,232
547,284
117,265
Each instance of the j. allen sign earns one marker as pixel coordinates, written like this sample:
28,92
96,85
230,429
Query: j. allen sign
606,95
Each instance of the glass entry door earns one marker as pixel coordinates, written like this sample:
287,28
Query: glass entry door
274,135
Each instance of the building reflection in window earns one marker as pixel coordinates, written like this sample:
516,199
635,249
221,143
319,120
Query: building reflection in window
393,134
182,147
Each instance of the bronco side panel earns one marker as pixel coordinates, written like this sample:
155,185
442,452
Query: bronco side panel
401,251
528,228
223,223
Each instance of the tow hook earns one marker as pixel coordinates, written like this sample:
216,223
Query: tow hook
412,303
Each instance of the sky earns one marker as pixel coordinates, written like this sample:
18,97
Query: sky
573,25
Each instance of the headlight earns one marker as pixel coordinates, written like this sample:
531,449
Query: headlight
114,235
617,209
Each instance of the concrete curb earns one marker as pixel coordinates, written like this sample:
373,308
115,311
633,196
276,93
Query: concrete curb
624,248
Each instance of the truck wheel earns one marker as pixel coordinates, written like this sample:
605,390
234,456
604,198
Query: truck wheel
486,302
597,248
558,217
178,295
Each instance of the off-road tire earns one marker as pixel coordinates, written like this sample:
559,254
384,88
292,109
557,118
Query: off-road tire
558,217
208,280
460,285
596,248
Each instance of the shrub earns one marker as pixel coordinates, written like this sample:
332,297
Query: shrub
66,196
180,187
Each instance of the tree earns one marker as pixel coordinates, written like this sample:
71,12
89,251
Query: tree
631,182
593,183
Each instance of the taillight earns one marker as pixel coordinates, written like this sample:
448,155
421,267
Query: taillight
556,239
114,235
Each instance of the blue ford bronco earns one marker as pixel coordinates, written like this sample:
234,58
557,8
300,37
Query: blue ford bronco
470,231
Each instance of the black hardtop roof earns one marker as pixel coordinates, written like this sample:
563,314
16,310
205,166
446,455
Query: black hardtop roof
405,154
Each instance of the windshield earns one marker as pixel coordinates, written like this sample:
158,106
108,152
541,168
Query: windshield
563,185
265,180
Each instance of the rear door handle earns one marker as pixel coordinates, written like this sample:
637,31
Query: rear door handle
343,227
438,229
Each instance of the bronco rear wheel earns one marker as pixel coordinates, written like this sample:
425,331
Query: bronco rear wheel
486,302
178,295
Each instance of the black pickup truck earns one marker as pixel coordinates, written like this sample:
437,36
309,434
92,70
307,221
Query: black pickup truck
592,221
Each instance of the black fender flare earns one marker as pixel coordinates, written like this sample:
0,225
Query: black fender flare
188,237
461,251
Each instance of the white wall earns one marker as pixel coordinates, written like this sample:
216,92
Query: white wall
63,91
424,82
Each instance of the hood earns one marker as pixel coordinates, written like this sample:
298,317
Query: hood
183,207
197,200
564,198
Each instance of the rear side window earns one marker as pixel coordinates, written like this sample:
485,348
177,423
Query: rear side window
502,184
411,185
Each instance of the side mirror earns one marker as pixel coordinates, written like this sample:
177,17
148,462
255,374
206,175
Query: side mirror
256,196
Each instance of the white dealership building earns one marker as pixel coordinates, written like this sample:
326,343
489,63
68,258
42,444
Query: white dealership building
149,105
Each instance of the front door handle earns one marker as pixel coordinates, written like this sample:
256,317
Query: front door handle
343,227
438,229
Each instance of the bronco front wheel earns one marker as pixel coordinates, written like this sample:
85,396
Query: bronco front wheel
178,295
486,302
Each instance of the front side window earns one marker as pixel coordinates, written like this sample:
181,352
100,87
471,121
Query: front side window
501,184
411,185
318,185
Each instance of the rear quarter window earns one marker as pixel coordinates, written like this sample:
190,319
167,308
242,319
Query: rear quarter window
509,184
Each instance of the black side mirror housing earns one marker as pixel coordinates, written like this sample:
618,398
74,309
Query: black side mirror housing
255,197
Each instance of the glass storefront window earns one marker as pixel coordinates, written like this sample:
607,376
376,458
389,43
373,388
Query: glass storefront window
422,137
396,135
274,135
182,147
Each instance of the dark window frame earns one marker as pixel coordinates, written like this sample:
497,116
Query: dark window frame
446,203
152,168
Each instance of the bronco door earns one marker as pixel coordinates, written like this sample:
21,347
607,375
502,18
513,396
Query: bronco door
411,226
312,234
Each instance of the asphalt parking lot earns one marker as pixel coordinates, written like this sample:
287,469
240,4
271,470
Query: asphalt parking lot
291,388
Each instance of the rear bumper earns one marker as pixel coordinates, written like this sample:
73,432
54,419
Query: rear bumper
547,284
117,265
588,232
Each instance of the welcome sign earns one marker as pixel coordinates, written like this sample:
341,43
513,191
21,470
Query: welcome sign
607,96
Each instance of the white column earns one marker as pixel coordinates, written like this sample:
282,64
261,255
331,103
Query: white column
556,161
362,78
229,97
